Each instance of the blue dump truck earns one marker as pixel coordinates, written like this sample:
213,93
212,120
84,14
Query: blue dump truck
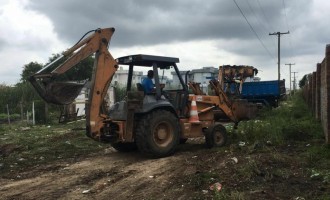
268,93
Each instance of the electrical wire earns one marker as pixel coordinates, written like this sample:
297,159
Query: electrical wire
260,22
286,18
255,33
256,16
266,18
287,25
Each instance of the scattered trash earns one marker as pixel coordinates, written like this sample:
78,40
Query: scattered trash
18,176
205,191
25,128
315,174
48,126
299,198
241,144
216,187
151,176
307,145
21,159
194,157
269,142
234,159
86,191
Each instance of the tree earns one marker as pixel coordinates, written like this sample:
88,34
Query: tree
82,71
30,69
303,81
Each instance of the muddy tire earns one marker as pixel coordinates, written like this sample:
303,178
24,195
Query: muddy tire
124,147
216,136
158,134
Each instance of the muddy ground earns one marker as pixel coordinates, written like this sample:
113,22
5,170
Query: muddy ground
244,171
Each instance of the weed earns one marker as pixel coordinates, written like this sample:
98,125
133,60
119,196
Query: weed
31,146
290,122
203,178
224,195
318,155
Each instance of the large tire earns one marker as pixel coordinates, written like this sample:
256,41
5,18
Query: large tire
124,147
216,136
158,134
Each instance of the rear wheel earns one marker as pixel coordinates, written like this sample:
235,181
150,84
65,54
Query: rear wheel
216,136
158,133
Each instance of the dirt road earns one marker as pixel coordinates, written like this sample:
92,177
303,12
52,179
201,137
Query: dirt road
249,172
109,175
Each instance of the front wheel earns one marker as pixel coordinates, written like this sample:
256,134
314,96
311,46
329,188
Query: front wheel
158,133
216,136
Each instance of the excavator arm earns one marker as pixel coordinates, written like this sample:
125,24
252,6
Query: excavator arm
64,93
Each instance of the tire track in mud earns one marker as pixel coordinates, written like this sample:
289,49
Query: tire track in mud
110,175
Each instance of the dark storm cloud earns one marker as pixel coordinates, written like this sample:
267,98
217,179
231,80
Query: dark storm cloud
148,22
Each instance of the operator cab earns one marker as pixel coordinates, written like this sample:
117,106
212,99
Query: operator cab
168,91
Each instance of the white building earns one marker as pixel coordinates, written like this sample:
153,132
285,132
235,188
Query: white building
121,76
202,76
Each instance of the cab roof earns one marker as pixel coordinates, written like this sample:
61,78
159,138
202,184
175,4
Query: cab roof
147,60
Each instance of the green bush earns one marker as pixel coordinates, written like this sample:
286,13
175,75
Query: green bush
4,117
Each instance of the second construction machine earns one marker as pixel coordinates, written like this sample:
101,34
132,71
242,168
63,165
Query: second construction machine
153,123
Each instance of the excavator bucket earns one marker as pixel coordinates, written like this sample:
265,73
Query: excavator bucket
60,93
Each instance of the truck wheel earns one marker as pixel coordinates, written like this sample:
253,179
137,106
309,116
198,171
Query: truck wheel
124,147
158,134
216,136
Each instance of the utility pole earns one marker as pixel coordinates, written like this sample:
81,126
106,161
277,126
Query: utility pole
279,51
294,81
290,73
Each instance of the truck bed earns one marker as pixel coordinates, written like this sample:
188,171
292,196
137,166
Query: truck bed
266,92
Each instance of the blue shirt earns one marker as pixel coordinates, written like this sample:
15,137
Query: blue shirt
148,85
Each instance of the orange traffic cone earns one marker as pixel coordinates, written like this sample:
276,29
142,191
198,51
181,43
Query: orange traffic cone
193,111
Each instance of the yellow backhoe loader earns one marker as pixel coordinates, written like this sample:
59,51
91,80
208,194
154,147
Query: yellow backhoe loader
154,123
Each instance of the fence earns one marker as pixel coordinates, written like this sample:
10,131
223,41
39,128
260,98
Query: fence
317,91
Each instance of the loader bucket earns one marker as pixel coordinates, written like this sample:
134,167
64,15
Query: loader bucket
244,110
60,93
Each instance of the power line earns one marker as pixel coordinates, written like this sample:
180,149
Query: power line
287,25
256,16
261,22
255,33
266,18
286,18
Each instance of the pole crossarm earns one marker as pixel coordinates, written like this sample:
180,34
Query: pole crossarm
290,72
279,51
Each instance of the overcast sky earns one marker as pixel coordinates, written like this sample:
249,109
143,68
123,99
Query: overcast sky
200,33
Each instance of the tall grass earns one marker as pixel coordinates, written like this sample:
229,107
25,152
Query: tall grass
292,121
